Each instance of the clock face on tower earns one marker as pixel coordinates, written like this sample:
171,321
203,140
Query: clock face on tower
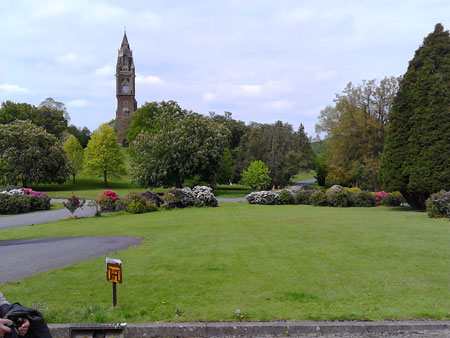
125,89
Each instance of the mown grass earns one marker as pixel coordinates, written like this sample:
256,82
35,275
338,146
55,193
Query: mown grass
303,176
271,262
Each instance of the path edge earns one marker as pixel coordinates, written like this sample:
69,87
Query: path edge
217,329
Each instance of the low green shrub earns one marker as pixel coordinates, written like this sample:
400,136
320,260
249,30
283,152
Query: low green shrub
438,204
288,197
363,199
150,207
303,196
121,204
319,198
338,198
165,207
39,203
353,189
394,199
10,204
136,207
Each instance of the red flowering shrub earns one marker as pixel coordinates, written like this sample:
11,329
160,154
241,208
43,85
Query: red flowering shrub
73,203
379,196
106,200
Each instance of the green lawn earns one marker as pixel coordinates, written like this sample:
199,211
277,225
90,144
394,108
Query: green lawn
303,176
271,262
230,191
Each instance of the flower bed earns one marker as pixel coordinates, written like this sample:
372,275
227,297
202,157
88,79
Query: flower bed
336,196
14,200
148,201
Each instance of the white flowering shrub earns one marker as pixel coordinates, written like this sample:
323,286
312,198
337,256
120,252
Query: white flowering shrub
204,196
13,192
264,197
336,188
187,197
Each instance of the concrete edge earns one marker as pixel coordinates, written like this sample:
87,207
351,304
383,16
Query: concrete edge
207,329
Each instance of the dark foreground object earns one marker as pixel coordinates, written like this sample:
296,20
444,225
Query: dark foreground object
256,329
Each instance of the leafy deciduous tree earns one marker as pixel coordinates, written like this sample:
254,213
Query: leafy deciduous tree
30,155
177,145
257,175
103,156
146,117
49,117
355,130
83,135
75,155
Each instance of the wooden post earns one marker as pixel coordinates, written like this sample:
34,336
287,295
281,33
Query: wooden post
114,294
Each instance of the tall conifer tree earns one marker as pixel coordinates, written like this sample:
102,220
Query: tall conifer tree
416,158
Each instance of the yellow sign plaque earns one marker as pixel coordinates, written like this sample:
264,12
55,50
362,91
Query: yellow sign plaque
114,270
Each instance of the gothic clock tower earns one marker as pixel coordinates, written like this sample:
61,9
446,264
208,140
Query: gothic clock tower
125,90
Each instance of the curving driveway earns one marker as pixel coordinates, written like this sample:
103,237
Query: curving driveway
24,258
48,216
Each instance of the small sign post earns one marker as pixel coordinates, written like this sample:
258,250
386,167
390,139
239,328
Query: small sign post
114,275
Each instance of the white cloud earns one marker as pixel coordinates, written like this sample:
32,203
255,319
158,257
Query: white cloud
227,90
46,9
208,96
324,75
105,70
277,105
74,60
68,58
78,103
12,88
149,79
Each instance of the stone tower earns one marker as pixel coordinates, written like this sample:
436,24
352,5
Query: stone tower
125,90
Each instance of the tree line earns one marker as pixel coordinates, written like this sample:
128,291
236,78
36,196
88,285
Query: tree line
169,146
393,134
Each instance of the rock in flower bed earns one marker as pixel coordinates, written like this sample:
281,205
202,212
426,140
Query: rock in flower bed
14,200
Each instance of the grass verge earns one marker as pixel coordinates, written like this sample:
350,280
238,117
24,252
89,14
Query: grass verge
271,262
303,176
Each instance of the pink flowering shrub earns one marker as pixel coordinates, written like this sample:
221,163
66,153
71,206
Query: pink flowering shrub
106,200
379,196
73,203
31,192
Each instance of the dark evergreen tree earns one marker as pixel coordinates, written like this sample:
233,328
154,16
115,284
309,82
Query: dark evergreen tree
416,158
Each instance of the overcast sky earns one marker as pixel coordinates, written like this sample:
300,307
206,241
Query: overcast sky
261,60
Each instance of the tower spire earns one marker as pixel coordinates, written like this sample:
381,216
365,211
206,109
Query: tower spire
125,89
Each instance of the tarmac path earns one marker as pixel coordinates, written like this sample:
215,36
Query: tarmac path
48,216
24,258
